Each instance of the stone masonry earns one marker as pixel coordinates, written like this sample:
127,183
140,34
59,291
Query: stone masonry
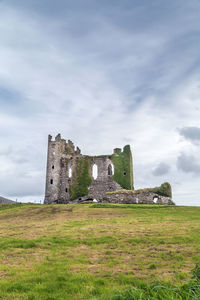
137,198
70,177
62,160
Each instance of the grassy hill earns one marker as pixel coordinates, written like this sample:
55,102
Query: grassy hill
4,200
99,251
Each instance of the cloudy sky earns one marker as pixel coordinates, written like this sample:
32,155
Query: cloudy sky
104,74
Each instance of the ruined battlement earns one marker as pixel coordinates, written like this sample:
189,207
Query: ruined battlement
71,175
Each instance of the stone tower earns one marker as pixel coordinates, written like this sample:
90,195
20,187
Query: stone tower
71,175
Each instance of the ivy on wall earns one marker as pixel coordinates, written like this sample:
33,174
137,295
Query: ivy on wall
163,190
123,165
81,179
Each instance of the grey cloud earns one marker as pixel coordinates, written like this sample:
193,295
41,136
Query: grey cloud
161,169
130,43
15,156
188,164
20,186
191,133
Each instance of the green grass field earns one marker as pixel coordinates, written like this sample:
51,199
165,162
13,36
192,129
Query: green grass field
99,251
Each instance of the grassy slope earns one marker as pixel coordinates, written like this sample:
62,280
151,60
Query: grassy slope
89,251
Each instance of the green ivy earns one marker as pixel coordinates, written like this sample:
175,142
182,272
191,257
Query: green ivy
163,190
123,165
81,179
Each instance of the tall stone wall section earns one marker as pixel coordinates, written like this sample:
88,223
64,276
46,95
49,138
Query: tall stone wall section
61,156
104,181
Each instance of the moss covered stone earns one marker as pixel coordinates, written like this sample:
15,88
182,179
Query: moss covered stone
117,150
163,190
123,165
81,179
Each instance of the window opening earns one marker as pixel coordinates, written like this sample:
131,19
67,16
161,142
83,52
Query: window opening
95,171
155,199
109,170
113,170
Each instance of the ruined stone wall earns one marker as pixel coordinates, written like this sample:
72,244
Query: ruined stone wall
60,157
63,159
53,170
122,161
70,177
104,181
137,198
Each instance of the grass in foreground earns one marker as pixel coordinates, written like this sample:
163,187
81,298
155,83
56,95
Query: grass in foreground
99,251
162,291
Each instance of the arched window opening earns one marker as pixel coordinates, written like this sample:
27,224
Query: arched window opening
66,190
53,167
155,199
113,169
95,171
70,172
51,181
109,170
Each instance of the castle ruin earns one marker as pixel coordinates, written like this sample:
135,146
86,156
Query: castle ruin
74,177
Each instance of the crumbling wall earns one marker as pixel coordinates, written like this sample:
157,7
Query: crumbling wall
69,173
104,181
157,195
138,198
123,165
81,178
61,156
70,177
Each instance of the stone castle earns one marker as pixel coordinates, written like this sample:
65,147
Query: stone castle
73,177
